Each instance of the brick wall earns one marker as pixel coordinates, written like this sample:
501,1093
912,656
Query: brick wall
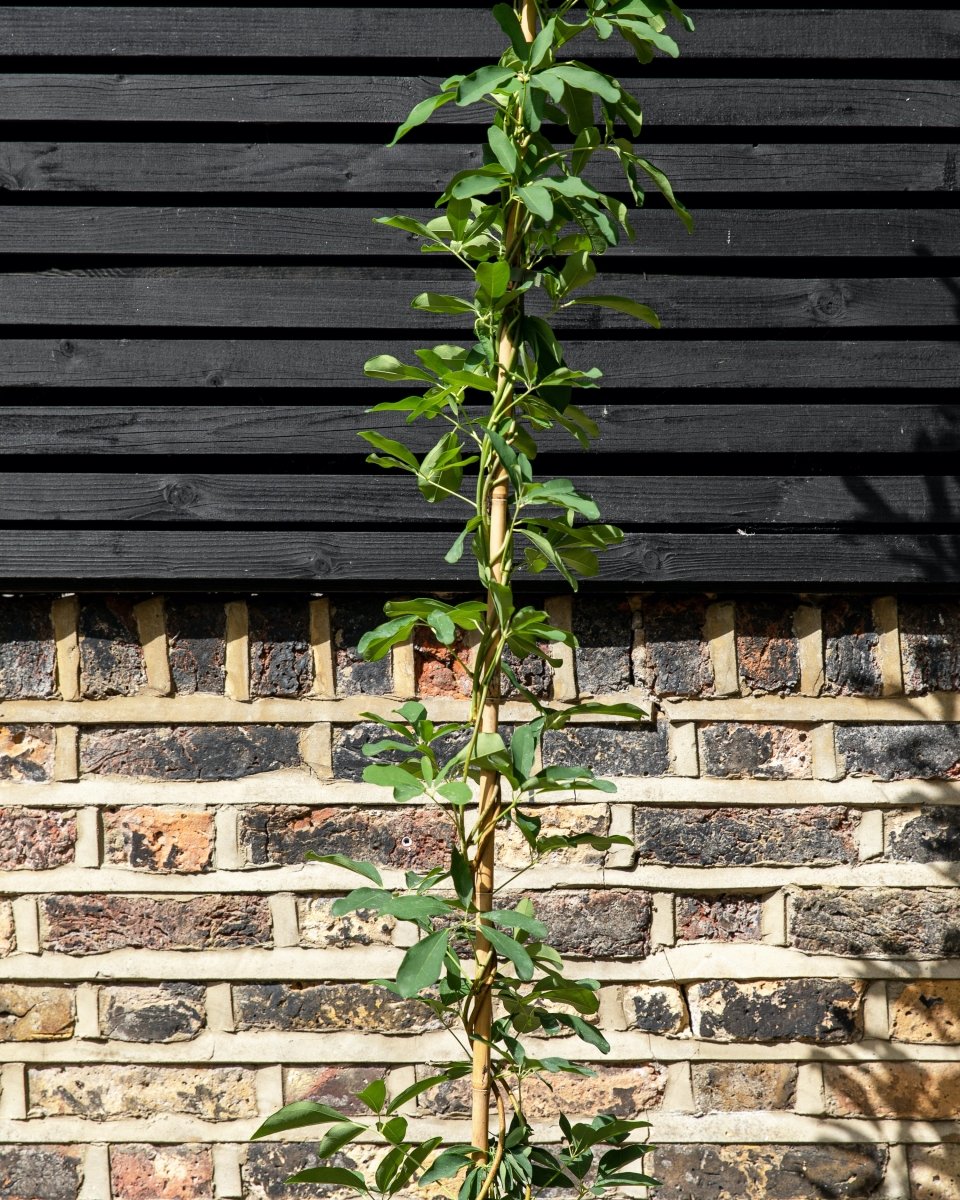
780,957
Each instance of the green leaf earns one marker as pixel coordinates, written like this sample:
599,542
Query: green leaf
420,113
536,199
523,746
493,278
450,1162
391,447
440,474
630,307
456,792
413,711
455,553
442,626
395,1130
506,18
476,85
422,964
404,785
511,949
489,743
338,1136
368,870
363,897
408,225
663,183
435,303
588,80
297,1116
503,149
340,1176
542,44
462,877
374,1095
512,919
455,1071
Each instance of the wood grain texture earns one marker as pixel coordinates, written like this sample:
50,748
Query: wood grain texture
334,298
223,430
354,168
378,99
412,32
337,364
722,233
388,559
330,500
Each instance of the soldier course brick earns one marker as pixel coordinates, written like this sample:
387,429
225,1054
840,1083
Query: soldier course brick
930,644
26,753
111,656
351,617
152,1012
718,918
768,653
113,1091
36,839
745,836
39,1172
196,635
851,648
737,750
441,670
603,628
95,924
673,656
327,1007
8,934
142,1172
281,658
822,1011
912,751
28,657
188,752
874,922
159,839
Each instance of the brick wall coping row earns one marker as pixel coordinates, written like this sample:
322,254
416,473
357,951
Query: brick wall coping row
676,964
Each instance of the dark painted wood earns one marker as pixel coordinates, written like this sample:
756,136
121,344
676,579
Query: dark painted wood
387,559
723,233
742,32
650,429
330,169
338,363
818,103
331,500
376,297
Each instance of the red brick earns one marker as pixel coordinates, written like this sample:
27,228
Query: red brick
336,1086
111,1091
442,670
111,657
39,1172
159,839
36,839
95,924
718,918
142,1172
738,750
26,753
28,658
188,752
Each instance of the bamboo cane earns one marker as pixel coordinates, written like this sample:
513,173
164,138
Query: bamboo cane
489,798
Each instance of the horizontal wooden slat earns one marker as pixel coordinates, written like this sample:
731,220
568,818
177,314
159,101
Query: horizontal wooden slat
726,233
817,103
422,31
222,430
327,501
52,555
356,168
259,363
357,297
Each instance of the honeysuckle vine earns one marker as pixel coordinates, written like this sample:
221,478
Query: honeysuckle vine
528,222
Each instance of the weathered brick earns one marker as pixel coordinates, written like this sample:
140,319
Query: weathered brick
35,1014
351,617
36,839
336,1086
622,1090
875,922
816,1171
768,653
611,923
188,752
327,1007
923,1091
824,1011
39,1172
933,1170
26,753
8,933
281,659
734,750
159,839
751,1086
142,1172
196,629
409,838
348,742
930,644
745,836
108,1091
929,834
28,658
610,750
913,751
152,1012
442,670
513,851
320,928
656,1008
96,924
926,1012
111,657
673,658
268,1165
718,918
604,630
851,648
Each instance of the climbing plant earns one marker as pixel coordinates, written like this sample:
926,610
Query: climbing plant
526,226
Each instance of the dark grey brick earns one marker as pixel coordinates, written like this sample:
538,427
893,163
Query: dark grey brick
351,618
767,648
930,644
875,922
281,659
911,751
604,630
111,657
637,750
851,662
28,657
824,1011
196,630
675,656
188,752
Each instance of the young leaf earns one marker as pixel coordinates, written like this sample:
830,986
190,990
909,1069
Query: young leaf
297,1116
374,1095
368,870
422,964
475,86
506,18
503,149
511,949
340,1176
420,113
338,1136
630,307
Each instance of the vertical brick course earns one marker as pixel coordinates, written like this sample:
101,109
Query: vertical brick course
196,629
111,656
28,658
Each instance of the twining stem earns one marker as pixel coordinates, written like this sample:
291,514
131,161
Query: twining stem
481,1016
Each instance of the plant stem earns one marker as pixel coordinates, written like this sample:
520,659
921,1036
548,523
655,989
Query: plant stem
481,1017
